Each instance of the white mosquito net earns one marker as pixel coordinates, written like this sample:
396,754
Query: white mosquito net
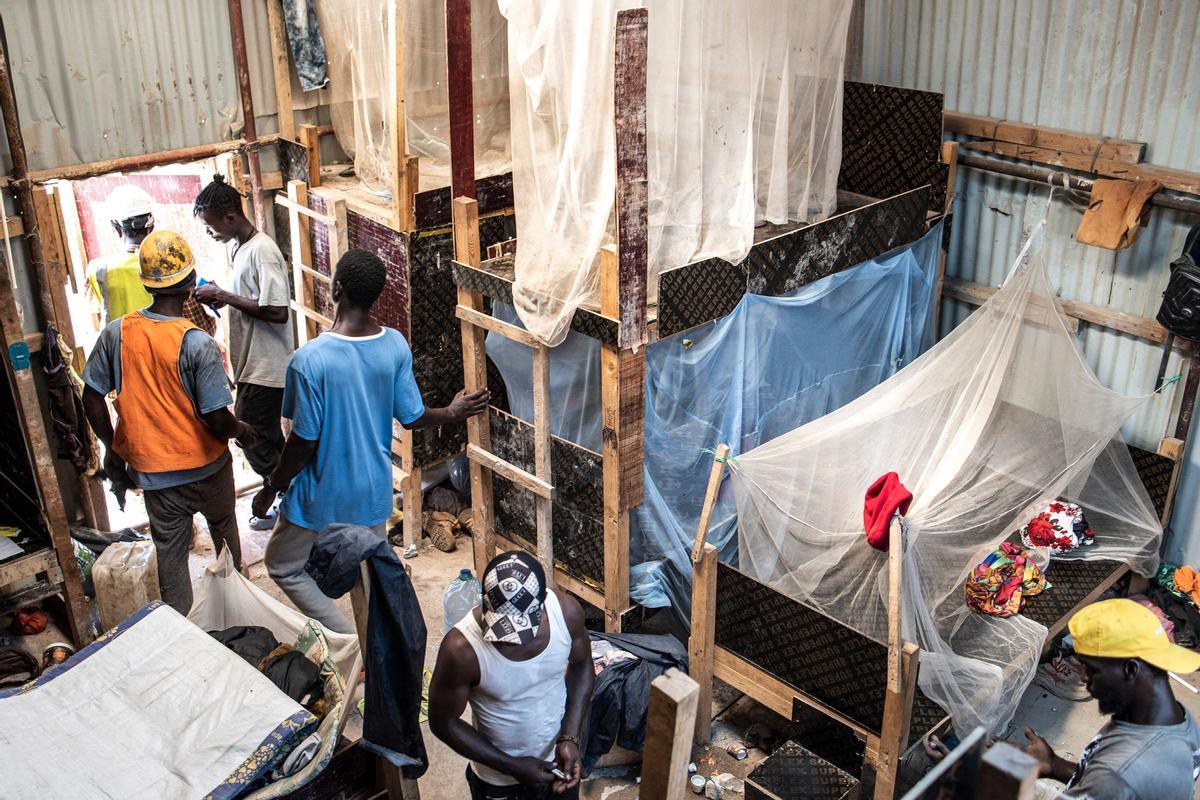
743,125
361,49
998,418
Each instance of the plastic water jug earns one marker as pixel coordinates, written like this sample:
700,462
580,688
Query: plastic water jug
126,578
462,596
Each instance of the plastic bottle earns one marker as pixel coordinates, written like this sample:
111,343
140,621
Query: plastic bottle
462,596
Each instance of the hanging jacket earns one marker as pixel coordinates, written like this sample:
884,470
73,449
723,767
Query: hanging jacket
621,696
394,651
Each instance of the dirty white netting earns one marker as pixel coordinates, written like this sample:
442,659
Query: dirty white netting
362,53
744,116
999,417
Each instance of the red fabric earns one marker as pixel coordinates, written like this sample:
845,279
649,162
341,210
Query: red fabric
886,496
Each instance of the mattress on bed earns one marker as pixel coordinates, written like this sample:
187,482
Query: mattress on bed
156,708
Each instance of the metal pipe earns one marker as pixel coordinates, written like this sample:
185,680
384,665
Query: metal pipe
20,181
1189,205
242,66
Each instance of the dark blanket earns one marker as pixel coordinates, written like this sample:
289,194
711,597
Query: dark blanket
249,641
395,648
621,695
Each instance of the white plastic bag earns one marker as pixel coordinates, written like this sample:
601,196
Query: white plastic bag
126,578
224,598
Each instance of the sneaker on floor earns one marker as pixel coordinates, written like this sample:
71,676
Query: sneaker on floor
263,523
1063,677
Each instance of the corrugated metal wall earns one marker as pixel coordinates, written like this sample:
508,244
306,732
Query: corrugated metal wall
1121,68
109,78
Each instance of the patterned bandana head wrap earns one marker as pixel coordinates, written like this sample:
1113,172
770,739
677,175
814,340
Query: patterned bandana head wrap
514,589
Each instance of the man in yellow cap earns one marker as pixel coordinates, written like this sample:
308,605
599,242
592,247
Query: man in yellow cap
173,420
1150,748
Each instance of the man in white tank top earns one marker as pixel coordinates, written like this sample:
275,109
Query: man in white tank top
523,662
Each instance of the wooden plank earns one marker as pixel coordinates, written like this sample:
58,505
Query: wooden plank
489,323
710,500
311,139
1006,773
622,386
279,69
33,428
669,722
461,101
1085,144
629,118
23,567
1176,179
1141,327
466,251
412,501
517,475
1172,448
541,456
759,685
315,316
301,249
397,120
897,717
310,273
303,209
950,158
701,639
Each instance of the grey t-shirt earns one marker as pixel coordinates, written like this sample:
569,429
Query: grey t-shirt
260,350
1139,762
201,372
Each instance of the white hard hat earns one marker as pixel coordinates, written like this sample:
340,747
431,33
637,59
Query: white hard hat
128,201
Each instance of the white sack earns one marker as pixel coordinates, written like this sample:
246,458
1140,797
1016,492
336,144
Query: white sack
224,598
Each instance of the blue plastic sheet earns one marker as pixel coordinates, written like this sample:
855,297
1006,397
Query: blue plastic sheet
772,365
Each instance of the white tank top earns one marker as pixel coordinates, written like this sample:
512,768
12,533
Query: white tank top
518,705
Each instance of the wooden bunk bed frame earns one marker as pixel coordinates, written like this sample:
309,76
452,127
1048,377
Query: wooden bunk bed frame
412,233
570,504
795,660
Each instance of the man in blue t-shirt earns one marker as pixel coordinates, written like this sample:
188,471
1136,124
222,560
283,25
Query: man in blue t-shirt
342,391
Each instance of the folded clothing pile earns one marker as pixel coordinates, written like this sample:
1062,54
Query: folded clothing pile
1060,526
999,585
287,668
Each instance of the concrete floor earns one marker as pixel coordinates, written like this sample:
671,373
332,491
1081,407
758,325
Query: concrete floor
1068,726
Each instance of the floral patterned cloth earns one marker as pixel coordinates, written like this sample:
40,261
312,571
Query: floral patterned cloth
1059,526
1002,581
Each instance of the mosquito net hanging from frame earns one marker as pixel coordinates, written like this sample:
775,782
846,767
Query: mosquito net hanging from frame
361,50
743,124
1000,417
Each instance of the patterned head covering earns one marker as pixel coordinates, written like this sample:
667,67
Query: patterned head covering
514,590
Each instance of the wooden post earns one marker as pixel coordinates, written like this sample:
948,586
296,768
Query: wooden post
669,723
56,275
1006,773
397,121
460,94
466,251
701,641
398,787
541,457
622,401
33,430
950,158
412,498
311,139
242,69
895,569
279,68
884,752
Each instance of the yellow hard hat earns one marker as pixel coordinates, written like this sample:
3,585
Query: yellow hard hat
165,259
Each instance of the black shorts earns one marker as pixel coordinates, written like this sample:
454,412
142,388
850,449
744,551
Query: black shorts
481,790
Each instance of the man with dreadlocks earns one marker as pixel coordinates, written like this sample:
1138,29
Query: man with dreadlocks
343,390
260,329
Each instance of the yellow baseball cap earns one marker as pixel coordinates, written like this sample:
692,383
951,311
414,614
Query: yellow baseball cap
1122,628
